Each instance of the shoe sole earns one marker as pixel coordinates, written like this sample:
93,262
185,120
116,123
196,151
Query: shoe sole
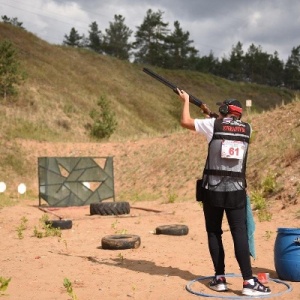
219,288
250,292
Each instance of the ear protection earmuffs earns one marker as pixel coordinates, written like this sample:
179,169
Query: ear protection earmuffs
228,106
224,108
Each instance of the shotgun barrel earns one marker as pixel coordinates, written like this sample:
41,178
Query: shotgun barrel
174,87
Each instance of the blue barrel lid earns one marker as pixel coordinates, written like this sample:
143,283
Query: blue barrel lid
288,230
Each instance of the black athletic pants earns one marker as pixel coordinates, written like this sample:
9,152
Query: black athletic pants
237,222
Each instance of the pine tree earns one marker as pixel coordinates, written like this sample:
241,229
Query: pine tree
236,62
73,39
10,71
180,51
105,122
94,40
207,64
275,70
115,41
150,40
12,21
292,69
256,64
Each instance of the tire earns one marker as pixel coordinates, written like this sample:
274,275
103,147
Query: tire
172,229
120,241
62,224
109,208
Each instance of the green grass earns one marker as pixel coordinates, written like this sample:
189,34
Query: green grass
6,200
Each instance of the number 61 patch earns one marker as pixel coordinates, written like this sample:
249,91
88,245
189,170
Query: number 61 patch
232,149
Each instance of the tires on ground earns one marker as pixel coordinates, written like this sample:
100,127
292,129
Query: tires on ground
120,241
109,208
174,229
62,224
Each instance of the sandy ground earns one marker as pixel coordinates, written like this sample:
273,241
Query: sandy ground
160,269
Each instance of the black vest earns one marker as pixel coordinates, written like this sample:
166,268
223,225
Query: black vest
225,166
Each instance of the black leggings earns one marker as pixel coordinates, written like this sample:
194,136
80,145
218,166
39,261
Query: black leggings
237,223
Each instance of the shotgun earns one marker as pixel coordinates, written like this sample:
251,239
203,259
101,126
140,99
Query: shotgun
192,98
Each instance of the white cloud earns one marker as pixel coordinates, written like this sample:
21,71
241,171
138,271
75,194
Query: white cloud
272,24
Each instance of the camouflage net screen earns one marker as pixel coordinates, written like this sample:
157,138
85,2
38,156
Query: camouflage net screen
75,181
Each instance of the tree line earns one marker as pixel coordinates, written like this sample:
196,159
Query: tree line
157,45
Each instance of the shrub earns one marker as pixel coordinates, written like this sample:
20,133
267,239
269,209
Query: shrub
104,120
10,72
269,184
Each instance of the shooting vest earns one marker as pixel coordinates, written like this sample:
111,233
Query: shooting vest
225,166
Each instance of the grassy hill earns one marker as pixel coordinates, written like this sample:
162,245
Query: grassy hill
63,85
154,157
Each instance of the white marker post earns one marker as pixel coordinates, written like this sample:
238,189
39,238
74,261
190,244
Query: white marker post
2,187
248,105
21,188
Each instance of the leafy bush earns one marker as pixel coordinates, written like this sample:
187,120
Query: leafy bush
258,200
260,205
269,184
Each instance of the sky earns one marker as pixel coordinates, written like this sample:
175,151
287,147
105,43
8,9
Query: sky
214,25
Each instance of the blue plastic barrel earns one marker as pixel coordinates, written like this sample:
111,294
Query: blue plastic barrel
287,254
